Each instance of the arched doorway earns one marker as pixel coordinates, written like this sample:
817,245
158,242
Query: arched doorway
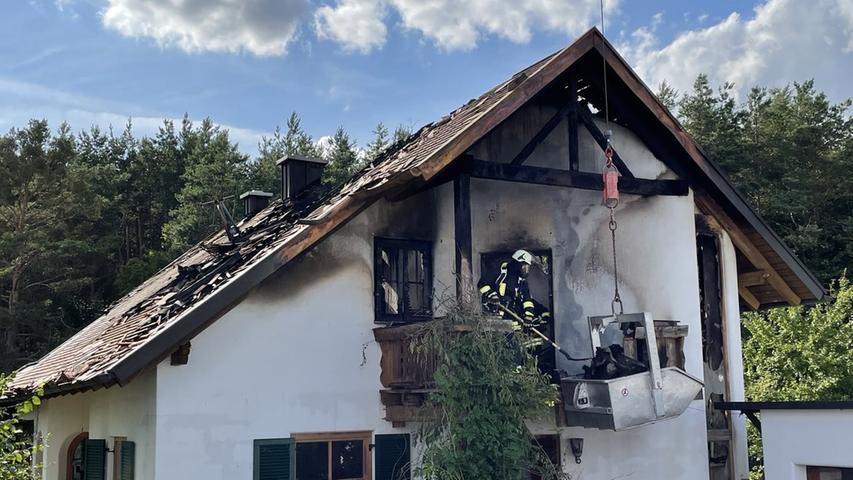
74,461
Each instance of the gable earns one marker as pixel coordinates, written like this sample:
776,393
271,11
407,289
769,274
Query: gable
187,295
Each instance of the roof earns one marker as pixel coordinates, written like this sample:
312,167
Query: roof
793,405
190,293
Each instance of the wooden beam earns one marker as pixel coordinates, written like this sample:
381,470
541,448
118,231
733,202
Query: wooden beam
574,161
565,178
586,118
541,135
748,297
462,229
752,279
746,247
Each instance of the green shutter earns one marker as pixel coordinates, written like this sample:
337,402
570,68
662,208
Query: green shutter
393,457
274,459
95,459
128,460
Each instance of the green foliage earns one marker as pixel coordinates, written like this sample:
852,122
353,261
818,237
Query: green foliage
799,353
16,451
486,386
790,151
343,159
264,172
215,171
379,144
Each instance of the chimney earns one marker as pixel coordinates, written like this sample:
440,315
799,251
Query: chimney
298,173
254,201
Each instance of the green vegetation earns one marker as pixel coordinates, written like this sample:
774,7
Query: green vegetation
799,353
487,385
790,151
85,218
16,448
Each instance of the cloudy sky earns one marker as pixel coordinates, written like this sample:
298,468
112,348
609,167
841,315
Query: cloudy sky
248,63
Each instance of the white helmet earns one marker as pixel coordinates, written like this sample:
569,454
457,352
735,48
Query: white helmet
523,256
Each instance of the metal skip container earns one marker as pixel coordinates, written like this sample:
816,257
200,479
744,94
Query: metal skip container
630,401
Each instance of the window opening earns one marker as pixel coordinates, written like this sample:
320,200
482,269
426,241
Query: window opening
333,456
403,280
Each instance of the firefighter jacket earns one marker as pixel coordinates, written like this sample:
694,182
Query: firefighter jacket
509,288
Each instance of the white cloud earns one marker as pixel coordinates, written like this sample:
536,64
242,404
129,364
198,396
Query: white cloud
783,41
456,24
358,25
260,27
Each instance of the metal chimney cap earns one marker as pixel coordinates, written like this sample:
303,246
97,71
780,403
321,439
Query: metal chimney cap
301,158
254,193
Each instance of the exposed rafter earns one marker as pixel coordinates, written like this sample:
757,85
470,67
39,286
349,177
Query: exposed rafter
746,247
586,118
566,178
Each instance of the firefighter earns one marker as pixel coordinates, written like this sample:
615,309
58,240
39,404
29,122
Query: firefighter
508,287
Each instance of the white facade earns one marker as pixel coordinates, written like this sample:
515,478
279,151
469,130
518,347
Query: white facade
298,355
796,439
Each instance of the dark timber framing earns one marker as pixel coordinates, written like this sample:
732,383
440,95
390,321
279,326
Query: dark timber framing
598,136
462,230
574,161
542,134
566,178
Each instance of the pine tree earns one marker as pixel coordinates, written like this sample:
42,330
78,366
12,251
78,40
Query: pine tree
215,171
379,144
265,172
342,159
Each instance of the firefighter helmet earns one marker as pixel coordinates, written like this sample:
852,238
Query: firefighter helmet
523,256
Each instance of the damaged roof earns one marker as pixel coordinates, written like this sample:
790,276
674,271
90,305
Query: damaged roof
186,296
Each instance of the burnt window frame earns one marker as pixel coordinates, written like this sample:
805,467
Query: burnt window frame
404,316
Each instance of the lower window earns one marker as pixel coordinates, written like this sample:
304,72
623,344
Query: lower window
333,456
829,473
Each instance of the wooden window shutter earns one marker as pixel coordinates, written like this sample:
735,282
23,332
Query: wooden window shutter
127,461
393,457
275,459
95,459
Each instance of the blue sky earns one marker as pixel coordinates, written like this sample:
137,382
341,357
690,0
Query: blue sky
247,64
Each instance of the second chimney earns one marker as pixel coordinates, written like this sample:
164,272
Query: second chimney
298,173
254,201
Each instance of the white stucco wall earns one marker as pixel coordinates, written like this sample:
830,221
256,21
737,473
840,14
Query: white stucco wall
794,439
297,355
127,412
656,249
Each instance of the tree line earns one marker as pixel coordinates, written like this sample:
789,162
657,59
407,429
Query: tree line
86,217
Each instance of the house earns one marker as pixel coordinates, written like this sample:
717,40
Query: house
801,439
270,347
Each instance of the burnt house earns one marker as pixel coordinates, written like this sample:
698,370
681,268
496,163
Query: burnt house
269,355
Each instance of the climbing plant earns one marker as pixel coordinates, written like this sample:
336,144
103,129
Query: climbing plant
16,450
487,386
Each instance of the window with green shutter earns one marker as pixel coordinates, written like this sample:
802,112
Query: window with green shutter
127,461
393,457
95,459
274,459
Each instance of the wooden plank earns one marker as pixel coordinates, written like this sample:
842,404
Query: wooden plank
541,135
747,248
752,279
462,229
749,298
565,178
574,160
586,118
